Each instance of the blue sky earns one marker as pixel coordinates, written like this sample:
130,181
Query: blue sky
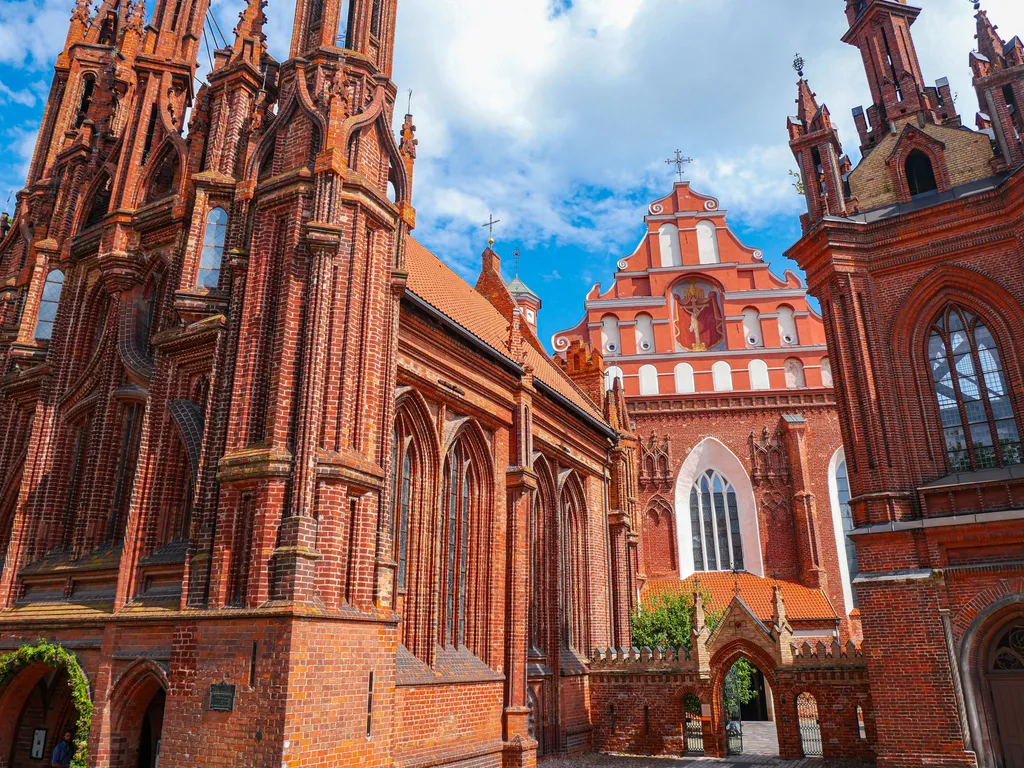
557,115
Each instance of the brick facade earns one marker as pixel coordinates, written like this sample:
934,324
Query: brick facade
900,272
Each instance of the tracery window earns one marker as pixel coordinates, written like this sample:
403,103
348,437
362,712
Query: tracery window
715,524
213,249
978,420
460,487
1009,654
48,304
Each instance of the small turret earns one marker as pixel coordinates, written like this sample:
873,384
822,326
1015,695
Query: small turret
998,68
819,153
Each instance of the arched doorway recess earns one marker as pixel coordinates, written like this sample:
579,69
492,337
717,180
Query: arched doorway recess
1005,673
138,699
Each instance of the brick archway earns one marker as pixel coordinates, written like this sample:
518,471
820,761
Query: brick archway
130,699
29,702
721,662
979,697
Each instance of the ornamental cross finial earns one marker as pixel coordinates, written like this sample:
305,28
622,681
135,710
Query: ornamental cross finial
678,161
516,255
798,64
491,221
977,4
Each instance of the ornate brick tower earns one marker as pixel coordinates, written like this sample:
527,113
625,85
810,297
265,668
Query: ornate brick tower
917,270
198,350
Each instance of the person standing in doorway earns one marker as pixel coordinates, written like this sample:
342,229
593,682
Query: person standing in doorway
63,752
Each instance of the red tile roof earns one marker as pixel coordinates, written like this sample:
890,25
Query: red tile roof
435,283
802,603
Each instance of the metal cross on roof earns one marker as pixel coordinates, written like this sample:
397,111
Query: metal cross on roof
798,64
516,255
490,227
678,161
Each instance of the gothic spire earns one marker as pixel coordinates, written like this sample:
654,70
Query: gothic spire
250,41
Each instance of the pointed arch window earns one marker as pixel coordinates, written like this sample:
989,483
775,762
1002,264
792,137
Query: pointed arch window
715,524
213,248
52,289
402,504
574,610
460,493
978,419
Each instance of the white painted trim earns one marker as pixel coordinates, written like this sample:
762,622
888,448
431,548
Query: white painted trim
837,524
866,578
636,301
711,453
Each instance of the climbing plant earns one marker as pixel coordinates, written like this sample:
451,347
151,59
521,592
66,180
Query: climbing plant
57,657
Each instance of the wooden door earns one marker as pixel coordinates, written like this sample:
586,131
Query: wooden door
1008,698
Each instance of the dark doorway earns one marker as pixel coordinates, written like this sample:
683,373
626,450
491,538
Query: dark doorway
920,174
152,729
756,710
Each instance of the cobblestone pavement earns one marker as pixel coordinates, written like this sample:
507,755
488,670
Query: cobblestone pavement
746,761
761,738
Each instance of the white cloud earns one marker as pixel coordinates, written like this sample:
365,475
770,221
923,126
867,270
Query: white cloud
556,116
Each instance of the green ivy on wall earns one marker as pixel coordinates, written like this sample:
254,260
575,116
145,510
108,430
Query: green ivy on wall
57,657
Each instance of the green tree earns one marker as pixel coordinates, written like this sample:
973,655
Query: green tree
739,686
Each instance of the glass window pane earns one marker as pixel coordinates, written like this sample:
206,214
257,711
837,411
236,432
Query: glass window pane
975,411
955,323
981,434
47,311
209,278
51,290
1007,430
734,529
985,458
984,339
709,531
955,440
723,532
44,330
936,347
698,549
960,344
996,384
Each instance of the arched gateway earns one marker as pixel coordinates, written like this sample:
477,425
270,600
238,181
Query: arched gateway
644,702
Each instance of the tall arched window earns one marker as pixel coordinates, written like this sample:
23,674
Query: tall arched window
707,242
610,340
644,334
795,378
721,373
612,373
213,249
978,420
920,173
842,522
752,327
459,494
684,379
758,370
668,240
715,524
48,304
649,380
787,327
575,568
402,505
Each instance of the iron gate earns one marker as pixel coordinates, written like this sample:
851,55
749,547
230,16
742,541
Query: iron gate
810,729
694,735
694,727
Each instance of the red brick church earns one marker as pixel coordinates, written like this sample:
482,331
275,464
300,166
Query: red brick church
277,487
